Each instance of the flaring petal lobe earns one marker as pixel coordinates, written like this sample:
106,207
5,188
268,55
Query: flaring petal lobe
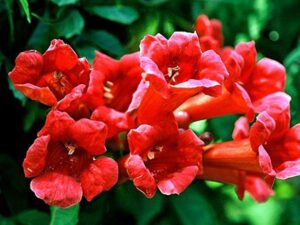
101,175
141,176
89,135
57,189
35,160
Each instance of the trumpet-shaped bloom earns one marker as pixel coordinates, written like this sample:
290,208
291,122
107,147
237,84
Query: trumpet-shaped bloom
161,157
62,161
175,70
49,77
248,83
271,150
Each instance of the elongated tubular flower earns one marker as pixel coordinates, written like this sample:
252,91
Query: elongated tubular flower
63,161
272,149
248,83
49,77
161,157
175,70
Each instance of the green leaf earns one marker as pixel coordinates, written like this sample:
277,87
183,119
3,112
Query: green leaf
70,24
9,11
222,127
34,113
67,216
120,14
135,203
192,208
41,37
103,40
26,9
95,212
149,24
6,221
152,2
13,184
292,64
32,217
87,51
64,2
198,126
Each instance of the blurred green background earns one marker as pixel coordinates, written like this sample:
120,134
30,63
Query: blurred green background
116,27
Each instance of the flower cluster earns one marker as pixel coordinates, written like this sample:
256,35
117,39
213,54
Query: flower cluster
138,109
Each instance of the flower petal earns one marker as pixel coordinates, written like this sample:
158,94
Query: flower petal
106,65
56,125
59,57
261,130
57,189
127,81
35,160
89,135
268,77
288,169
241,129
101,175
177,182
141,176
94,93
212,68
142,138
41,94
248,52
257,188
73,103
28,68
116,121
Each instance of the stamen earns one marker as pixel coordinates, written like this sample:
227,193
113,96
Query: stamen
71,147
173,72
108,95
109,84
60,78
150,155
30,170
107,90
57,75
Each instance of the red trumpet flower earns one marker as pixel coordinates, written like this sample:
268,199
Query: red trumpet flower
161,157
49,77
63,162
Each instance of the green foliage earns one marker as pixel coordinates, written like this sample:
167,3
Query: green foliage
67,216
32,217
26,9
135,203
71,23
120,14
193,208
64,2
199,126
103,40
